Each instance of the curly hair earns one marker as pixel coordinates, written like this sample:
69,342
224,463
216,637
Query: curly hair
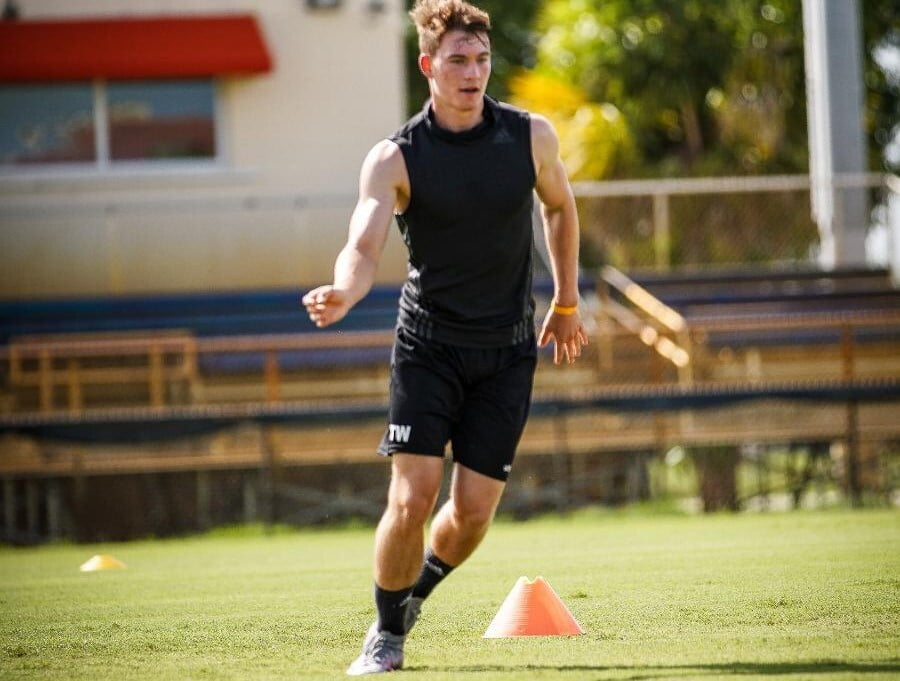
435,18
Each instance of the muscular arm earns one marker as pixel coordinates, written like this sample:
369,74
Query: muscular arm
561,232
382,183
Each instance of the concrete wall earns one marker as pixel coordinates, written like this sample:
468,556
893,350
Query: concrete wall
271,213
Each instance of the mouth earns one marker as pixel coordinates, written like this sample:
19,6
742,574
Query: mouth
470,90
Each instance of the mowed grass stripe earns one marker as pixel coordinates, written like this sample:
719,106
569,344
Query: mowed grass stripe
793,595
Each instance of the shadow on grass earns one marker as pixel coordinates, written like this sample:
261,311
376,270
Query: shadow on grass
639,673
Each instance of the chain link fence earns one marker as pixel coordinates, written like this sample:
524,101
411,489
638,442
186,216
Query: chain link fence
709,222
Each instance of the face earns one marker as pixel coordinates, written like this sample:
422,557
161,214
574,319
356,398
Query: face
458,72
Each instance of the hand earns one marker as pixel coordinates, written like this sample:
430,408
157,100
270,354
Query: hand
326,305
568,335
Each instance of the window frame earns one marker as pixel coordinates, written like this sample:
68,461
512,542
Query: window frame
105,165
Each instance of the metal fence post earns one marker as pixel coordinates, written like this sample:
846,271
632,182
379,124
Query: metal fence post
662,235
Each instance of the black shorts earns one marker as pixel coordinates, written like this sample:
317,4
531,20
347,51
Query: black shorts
475,398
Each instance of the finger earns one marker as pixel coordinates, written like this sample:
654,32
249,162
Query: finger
325,306
313,297
545,338
583,335
576,348
557,351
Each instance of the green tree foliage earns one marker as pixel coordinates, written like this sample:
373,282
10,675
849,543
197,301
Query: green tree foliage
710,87
702,85
881,29
757,116
594,138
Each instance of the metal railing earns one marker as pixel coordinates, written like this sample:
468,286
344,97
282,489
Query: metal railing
649,319
648,209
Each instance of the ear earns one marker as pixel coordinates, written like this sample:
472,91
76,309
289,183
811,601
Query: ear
425,65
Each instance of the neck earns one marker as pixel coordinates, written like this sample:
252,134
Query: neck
456,120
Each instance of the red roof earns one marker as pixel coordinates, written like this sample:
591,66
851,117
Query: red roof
157,47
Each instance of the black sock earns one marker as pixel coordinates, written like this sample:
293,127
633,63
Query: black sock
391,606
433,571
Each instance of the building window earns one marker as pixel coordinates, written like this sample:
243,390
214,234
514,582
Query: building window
47,124
106,123
161,120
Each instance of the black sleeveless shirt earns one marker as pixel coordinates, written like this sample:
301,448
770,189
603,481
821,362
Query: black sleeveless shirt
468,229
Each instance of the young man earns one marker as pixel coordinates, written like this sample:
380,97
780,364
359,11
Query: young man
459,178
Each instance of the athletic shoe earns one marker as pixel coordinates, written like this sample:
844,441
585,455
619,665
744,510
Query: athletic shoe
413,608
382,652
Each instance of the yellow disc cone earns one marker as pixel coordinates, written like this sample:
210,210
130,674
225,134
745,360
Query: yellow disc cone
102,562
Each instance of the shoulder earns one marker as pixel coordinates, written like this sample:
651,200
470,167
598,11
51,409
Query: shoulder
511,117
384,164
544,141
384,152
384,155
403,135
508,110
542,131
539,127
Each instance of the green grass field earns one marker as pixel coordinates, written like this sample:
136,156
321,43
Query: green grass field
804,595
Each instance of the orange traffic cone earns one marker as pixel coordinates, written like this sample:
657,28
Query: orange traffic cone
532,609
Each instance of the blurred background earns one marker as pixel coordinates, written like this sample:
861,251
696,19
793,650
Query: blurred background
174,175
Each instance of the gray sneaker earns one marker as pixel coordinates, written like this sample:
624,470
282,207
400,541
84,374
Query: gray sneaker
413,608
382,652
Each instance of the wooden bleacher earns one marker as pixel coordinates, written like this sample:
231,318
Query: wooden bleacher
151,363
662,356
637,346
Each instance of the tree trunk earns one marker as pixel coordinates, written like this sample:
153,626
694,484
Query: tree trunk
693,135
717,479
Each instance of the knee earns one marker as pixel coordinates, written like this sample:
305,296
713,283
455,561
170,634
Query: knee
473,513
415,483
412,508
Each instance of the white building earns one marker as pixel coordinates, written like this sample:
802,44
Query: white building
187,145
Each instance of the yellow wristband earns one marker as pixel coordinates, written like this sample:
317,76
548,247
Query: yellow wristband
563,310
